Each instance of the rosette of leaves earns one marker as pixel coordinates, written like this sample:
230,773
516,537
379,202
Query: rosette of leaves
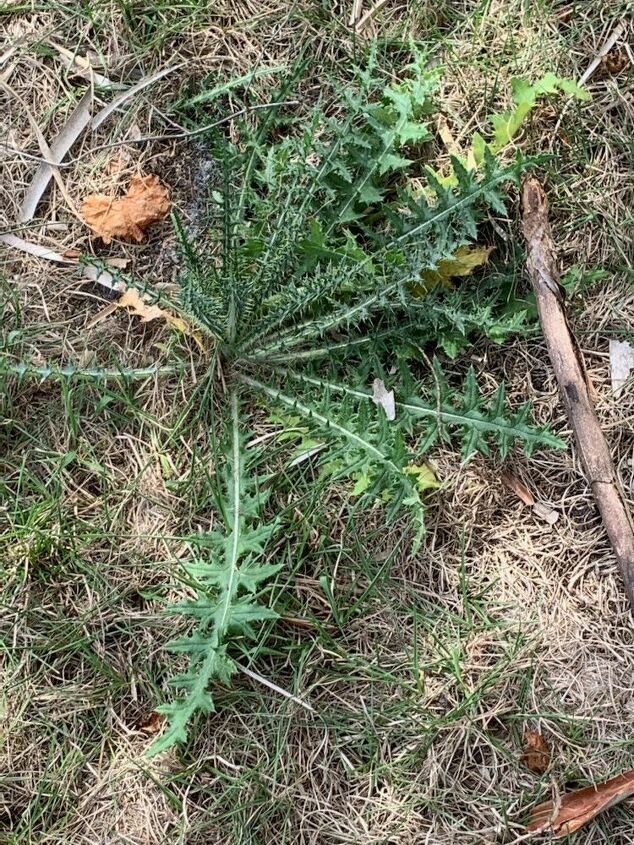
308,288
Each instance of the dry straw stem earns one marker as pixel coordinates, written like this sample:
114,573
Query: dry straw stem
574,384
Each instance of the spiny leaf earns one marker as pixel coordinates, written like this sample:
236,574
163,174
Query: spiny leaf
224,605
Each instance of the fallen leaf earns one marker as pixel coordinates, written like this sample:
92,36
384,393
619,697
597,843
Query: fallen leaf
545,512
70,132
581,806
536,754
424,476
464,262
383,397
103,277
118,163
146,202
518,487
446,136
298,622
621,364
83,66
136,304
614,62
152,723
540,509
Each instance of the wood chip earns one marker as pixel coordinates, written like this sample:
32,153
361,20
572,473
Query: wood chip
578,808
621,364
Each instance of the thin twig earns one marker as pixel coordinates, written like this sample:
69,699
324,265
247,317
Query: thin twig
114,104
574,383
355,12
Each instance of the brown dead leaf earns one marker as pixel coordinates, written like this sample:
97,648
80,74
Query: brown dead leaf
152,723
447,137
518,487
540,509
145,202
614,62
536,754
581,806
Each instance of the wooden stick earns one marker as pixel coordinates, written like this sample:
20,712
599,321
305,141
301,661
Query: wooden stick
572,378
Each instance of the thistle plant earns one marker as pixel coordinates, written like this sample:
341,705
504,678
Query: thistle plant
308,286
316,279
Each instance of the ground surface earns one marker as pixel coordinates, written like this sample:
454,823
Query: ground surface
501,623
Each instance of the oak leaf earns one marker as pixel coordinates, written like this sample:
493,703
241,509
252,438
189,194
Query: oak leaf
146,201
581,806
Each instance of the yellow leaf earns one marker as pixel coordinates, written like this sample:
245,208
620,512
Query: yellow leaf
465,261
446,136
424,476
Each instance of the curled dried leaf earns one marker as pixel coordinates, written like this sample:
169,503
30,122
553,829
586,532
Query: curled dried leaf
146,201
614,62
536,754
581,806
136,304
152,723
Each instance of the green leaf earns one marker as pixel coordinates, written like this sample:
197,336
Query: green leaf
225,586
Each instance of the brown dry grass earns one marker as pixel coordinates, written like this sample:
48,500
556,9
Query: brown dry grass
500,623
